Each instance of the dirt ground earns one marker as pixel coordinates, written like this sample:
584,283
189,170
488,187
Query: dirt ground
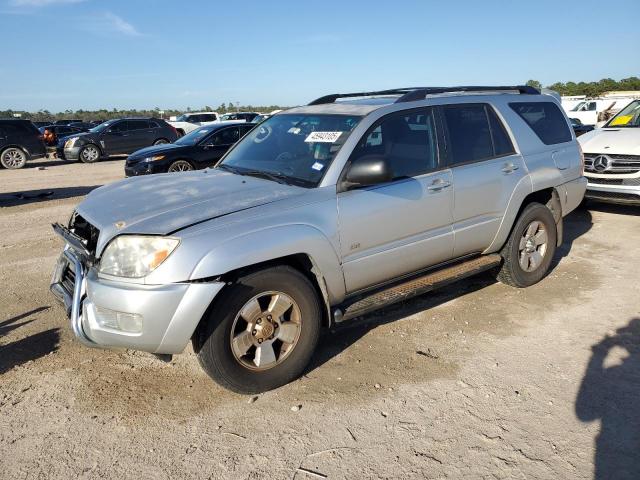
477,381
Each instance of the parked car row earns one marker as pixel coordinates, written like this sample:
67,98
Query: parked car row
201,148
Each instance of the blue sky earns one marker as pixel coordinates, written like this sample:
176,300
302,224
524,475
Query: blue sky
59,54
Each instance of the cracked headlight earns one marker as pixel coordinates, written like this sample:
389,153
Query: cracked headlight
135,256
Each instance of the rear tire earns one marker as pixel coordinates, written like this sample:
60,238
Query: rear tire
13,158
89,154
262,331
161,141
530,248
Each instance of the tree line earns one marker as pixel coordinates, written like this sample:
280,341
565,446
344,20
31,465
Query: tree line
591,89
105,114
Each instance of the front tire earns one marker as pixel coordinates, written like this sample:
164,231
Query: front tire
261,332
13,158
161,141
180,166
530,249
89,154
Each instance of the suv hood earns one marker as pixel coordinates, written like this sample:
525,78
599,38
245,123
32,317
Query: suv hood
163,204
618,141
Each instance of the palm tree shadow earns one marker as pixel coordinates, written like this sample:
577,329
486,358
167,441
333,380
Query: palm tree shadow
612,395
29,348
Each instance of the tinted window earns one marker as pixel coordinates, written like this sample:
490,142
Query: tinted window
154,124
469,133
208,117
545,119
406,140
227,136
119,127
138,124
501,142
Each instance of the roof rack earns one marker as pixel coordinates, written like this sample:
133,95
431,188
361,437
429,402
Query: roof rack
335,96
419,93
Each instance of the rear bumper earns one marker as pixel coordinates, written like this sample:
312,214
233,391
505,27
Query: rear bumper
574,192
167,314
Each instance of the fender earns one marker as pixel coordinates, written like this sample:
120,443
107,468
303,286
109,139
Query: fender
272,243
523,188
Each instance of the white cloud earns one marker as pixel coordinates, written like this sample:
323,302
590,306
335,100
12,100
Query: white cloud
118,24
40,3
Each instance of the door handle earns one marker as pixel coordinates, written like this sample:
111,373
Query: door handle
438,185
509,168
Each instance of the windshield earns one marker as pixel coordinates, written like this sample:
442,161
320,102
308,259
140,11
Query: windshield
295,148
103,126
194,137
628,117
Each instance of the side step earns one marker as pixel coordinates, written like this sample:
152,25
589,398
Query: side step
417,286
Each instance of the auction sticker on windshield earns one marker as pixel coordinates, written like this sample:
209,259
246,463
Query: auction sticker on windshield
326,137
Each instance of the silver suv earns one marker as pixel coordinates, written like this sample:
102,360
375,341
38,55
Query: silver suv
317,216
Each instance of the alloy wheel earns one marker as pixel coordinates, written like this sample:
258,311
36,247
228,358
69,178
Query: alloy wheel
13,158
180,166
533,246
266,330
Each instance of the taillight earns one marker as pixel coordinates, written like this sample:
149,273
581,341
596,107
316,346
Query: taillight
581,157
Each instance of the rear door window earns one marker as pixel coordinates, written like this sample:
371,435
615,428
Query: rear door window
545,119
469,133
501,142
138,125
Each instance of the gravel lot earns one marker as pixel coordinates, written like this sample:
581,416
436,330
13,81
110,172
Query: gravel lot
477,381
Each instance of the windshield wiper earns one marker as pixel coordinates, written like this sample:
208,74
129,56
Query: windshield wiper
273,176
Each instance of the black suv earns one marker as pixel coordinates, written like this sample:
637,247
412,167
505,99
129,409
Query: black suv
198,149
118,137
20,141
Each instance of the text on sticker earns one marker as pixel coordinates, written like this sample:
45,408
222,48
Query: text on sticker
327,137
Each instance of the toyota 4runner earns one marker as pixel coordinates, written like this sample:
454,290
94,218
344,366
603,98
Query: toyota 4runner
320,215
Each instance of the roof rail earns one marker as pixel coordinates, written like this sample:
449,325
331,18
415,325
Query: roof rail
335,96
421,93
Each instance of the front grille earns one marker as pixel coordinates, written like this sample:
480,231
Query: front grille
616,163
68,279
613,197
627,182
87,232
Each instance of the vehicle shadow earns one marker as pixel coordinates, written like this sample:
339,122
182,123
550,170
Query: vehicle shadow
29,348
47,162
13,199
618,209
343,336
611,394
576,224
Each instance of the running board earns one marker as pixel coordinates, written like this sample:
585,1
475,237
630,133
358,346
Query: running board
416,286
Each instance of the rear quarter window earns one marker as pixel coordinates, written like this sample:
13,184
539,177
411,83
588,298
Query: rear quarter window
545,119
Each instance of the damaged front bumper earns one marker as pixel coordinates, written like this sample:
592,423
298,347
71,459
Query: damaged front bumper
104,313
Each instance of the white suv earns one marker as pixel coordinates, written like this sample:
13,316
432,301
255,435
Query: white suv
188,122
612,158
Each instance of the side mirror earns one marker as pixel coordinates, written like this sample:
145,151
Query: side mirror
368,170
